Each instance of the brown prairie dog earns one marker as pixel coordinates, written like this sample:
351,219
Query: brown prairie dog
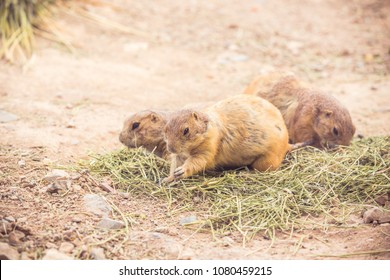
145,129
239,131
311,116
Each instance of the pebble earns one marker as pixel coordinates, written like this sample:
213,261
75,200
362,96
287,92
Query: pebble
50,245
22,163
54,254
56,174
108,223
77,219
188,220
10,219
25,256
54,188
76,187
7,252
14,237
7,117
97,205
66,247
106,187
97,253
124,195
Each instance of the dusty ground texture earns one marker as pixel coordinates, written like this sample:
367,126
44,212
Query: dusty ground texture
71,103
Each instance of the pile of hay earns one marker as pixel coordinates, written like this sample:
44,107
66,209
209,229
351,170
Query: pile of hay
312,189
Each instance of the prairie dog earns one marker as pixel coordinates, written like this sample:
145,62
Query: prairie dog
145,129
239,131
311,116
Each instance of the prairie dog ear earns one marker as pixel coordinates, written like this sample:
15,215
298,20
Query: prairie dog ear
327,113
195,115
154,117
324,112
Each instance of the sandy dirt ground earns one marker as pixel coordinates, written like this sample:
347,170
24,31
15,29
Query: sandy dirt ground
170,54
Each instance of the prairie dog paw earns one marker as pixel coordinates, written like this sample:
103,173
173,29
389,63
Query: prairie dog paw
179,172
168,180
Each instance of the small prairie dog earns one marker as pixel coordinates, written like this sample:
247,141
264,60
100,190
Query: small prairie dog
145,129
313,117
239,131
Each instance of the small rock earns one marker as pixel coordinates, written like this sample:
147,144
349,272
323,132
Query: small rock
22,220
50,245
10,219
31,184
22,163
227,241
54,188
7,252
97,253
106,187
107,223
188,220
56,174
372,215
77,219
70,125
53,254
229,56
97,205
24,256
124,195
7,117
76,187
66,247
14,237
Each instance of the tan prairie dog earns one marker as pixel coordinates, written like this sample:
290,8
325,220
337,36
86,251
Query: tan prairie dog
145,129
311,116
239,131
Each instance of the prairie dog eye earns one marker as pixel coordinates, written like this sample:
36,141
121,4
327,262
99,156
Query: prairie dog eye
135,125
335,131
186,130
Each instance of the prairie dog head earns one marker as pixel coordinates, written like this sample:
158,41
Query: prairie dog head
334,126
186,130
144,128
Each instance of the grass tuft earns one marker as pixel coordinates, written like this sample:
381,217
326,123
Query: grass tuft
312,188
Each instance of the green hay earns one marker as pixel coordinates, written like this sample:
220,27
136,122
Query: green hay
312,188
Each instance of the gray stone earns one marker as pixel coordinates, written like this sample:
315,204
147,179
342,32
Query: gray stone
188,220
97,205
7,252
66,247
7,117
108,223
97,253
10,219
54,254
56,174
